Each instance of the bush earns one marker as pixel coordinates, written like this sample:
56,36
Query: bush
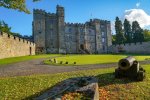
67,62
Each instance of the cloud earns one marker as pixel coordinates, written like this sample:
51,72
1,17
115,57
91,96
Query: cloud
138,4
138,15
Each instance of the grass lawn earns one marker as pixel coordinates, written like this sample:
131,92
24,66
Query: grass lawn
93,59
27,87
24,58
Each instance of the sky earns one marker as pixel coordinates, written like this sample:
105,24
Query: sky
80,11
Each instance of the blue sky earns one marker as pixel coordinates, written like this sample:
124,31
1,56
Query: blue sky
76,11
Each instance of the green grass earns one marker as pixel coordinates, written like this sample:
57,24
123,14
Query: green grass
93,59
27,87
24,58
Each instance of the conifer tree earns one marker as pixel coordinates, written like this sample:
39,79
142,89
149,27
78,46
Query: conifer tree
137,32
127,31
120,38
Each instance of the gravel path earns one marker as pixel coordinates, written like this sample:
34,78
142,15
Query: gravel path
37,67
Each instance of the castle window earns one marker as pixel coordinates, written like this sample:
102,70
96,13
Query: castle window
40,32
89,31
102,26
67,38
70,30
81,30
103,40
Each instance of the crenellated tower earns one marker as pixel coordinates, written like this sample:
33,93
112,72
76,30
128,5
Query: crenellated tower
61,29
39,30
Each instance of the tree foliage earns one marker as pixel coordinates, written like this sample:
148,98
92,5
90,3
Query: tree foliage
130,33
137,32
127,31
146,33
4,27
113,38
120,38
19,5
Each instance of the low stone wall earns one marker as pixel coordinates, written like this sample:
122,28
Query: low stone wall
12,46
139,48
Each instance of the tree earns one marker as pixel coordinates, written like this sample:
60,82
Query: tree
120,38
137,32
146,33
113,38
4,27
19,5
127,31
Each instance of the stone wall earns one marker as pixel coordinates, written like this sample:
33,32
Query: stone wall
11,46
143,48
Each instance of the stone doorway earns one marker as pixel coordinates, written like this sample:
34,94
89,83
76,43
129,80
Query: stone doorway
82,46
30,51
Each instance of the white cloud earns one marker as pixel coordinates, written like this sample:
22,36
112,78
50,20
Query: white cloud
137,4
138,15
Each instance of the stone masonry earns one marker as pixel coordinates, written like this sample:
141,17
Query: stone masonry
138,48
52,35
11,46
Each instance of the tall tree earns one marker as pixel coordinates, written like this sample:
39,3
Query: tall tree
137,32
120,38
127,31
19,5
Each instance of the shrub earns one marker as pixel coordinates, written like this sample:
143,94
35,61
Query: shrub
66,62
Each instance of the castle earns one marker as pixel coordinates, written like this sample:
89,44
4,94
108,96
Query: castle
52,35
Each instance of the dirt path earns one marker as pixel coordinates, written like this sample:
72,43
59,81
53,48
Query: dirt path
37,67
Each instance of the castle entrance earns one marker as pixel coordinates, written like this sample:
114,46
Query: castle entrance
82,46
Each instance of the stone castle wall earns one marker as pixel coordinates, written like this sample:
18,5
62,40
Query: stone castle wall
11,46
138,48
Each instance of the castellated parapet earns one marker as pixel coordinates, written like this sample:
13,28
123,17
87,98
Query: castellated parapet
12,46
75,24
53,35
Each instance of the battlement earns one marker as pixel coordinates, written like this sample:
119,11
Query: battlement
98,21
75,24
15,38
13,46
59,7
39,11
104,21
51,14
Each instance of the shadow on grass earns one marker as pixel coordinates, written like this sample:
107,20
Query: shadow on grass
109,79
68,85
103,80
